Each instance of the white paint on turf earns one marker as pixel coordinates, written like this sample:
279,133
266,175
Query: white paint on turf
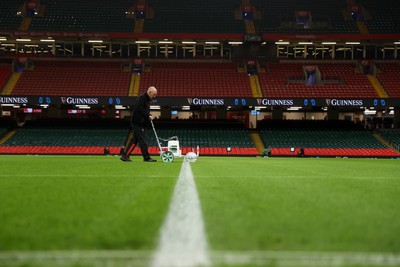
129,258
183,241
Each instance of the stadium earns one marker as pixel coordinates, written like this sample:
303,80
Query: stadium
280,120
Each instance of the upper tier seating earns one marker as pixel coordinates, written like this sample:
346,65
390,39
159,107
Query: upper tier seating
8,15
207,16
278,16
389,77
275,81
196,80
74,79
384,16
192,16
84,16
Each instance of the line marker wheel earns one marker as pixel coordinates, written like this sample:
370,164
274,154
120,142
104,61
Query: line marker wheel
167,156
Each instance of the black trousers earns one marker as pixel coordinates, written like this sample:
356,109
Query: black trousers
137,134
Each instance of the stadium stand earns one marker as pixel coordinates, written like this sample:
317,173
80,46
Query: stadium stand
5,125
3,130
382,16
388,75
279,16
205,78
285,138
355,83
213,137
321,138
392,136
74,78
91,136
84,16
65,136
5,72
197,79
191,16
337,80
8,15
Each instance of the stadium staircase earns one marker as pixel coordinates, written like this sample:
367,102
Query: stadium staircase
384,141
378,86
362,27
250,29
7,136
139,22
26,22
391,136
255,136
139,26
134,85
10,85
255,86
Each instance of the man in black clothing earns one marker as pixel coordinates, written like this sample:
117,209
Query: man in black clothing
140,121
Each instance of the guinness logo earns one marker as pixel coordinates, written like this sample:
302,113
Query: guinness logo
190,100
328,102
259,101
63,100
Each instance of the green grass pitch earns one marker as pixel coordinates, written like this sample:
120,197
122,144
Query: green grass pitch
251,207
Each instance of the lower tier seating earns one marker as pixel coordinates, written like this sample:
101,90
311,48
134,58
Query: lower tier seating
79,138
322,138
285,138
392,136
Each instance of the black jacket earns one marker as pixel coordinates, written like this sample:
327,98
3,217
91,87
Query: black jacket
141,111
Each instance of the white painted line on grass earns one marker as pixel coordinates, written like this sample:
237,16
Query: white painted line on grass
305,258
129,258
95,258
183,242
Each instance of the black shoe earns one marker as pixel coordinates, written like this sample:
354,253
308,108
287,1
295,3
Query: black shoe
125,158
150,160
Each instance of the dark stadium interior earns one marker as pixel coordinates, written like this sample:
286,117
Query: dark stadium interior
243,74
